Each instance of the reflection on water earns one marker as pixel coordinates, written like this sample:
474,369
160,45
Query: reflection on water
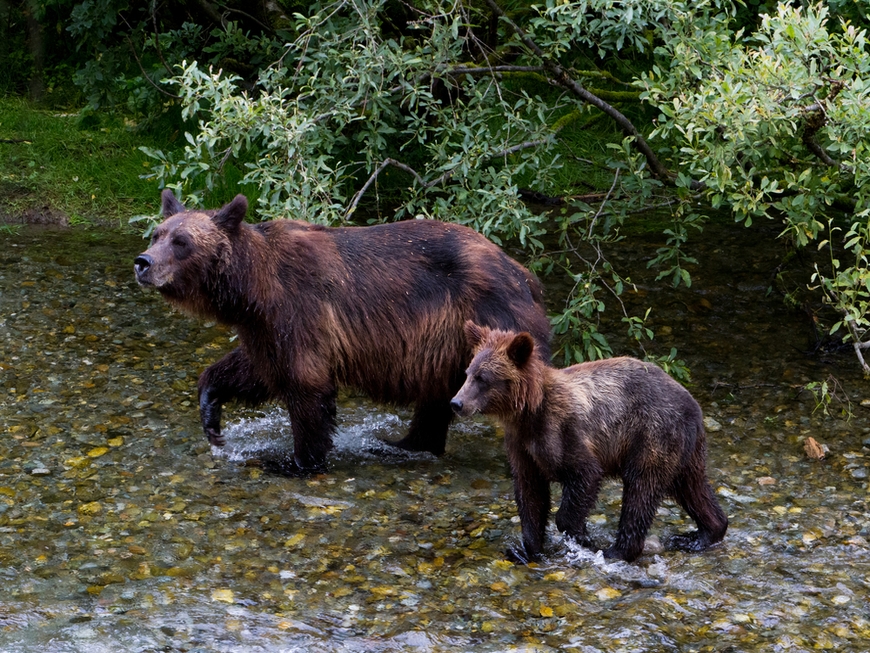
121,529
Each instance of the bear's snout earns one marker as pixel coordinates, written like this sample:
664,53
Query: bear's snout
141,265
461,406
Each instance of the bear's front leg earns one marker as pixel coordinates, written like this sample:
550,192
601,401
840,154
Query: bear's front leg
312,420
532,494
580,487
232,377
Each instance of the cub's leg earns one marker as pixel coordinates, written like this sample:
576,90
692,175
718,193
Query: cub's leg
640,499
579,493
232,377
693,492
428,431
532,494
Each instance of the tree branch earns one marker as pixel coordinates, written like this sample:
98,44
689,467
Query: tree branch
565,80
145,74
858,345
419,179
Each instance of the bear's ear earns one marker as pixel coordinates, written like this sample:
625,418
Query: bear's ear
233,214
520,349
171,205
473,334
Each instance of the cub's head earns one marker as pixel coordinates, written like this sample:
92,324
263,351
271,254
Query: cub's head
186,247
504,376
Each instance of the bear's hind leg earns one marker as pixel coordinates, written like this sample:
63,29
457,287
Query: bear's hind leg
428,431
640,500
692,491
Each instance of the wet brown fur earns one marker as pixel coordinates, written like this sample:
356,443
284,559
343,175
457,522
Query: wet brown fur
617,417
379,309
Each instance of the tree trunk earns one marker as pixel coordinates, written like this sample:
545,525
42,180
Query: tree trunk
36,47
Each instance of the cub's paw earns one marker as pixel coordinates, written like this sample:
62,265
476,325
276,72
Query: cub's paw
581,539
215,437
691,542
616,553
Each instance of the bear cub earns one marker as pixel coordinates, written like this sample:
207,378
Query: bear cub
617,417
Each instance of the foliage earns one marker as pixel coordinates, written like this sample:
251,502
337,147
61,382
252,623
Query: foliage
329,110
826,394
436,122
777,127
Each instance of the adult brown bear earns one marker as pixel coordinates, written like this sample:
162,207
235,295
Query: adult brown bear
379,309
615,417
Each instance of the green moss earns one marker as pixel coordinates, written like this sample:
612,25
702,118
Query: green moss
67,167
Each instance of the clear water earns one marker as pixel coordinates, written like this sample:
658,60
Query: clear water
122,530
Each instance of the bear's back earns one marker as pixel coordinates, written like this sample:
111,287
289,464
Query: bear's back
621,402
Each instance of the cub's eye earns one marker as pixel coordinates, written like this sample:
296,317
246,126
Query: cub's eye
180,242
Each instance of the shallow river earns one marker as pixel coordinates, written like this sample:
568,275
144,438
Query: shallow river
122,530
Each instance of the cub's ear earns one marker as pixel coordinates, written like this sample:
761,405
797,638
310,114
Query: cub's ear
520,349
474,334
171,205
231,215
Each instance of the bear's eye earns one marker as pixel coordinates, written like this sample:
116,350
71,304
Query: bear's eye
181,245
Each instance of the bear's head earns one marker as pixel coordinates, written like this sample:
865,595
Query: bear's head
187,249
504,377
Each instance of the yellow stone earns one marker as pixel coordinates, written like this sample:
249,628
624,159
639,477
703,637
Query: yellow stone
555,576
383,590
224,596
546,611
606,593
499,586
115,442
296,539
92,508
96,452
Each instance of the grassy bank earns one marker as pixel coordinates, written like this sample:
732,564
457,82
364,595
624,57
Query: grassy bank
58,169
